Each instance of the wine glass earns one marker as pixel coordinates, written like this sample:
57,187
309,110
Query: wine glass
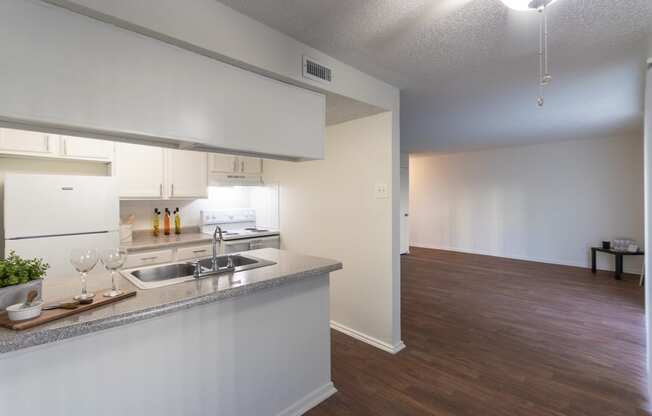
84,260
113,259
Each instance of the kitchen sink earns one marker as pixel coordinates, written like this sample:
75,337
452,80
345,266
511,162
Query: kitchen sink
222,261
169,274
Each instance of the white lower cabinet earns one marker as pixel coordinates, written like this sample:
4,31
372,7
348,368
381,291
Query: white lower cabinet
148,258
181,253
194,252
140,171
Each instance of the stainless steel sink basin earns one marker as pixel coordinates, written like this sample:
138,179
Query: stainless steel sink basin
166,272
222,261
169,274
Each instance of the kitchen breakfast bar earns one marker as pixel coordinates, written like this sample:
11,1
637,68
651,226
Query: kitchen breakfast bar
216,345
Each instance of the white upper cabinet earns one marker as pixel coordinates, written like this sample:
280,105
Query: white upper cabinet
33,144
187,174
82,148
149,172
235,164
222,163
251,165
140,171
29,143
174,94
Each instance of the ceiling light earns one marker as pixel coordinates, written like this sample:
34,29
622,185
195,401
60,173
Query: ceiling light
527,5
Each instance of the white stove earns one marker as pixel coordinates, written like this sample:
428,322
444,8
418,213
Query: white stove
239,230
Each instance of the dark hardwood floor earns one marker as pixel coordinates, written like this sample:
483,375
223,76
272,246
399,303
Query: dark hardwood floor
492,336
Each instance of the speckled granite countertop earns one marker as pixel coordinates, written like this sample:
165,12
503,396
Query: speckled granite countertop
150,303
144,240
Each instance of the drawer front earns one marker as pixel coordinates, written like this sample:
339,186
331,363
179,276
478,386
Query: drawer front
236,246
146,258
265,242
194,252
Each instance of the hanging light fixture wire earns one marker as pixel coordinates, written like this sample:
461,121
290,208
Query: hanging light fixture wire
544,70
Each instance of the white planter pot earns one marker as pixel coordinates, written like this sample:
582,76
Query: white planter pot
11,295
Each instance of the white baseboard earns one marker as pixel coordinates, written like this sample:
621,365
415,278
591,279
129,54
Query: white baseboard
392,349
584,265
311,400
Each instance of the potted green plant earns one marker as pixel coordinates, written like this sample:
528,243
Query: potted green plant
18,277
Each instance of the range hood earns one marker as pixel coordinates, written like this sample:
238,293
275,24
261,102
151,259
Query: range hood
234,179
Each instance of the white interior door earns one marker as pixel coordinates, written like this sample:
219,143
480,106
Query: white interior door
405,206
187,174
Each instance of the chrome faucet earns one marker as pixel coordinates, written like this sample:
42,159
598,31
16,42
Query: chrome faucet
216,234
197,272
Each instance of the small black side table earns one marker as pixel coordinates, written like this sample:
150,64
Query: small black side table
619,258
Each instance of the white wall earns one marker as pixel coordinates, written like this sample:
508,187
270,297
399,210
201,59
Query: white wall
328,208
547,202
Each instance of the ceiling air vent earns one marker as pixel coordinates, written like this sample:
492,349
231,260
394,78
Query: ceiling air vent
316,71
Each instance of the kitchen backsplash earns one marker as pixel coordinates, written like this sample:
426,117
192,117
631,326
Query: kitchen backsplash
263,199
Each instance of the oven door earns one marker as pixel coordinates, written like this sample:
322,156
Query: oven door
235,246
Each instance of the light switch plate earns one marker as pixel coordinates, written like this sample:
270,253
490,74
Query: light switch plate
381,191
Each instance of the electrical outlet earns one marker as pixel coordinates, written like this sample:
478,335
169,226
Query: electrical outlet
381,191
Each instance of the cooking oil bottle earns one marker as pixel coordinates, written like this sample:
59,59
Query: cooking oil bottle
156,223
177,221
166,222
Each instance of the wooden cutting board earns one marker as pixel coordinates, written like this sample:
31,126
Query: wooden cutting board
54,314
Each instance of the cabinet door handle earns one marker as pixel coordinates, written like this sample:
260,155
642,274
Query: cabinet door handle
172,190
235,164
65,147
242,166
199,251
149,258
160,190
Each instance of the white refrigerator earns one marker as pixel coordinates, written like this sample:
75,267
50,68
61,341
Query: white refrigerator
47,216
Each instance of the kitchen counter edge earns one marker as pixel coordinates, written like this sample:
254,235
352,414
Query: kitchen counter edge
35,337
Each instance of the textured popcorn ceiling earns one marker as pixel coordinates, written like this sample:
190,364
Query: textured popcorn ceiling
468,68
